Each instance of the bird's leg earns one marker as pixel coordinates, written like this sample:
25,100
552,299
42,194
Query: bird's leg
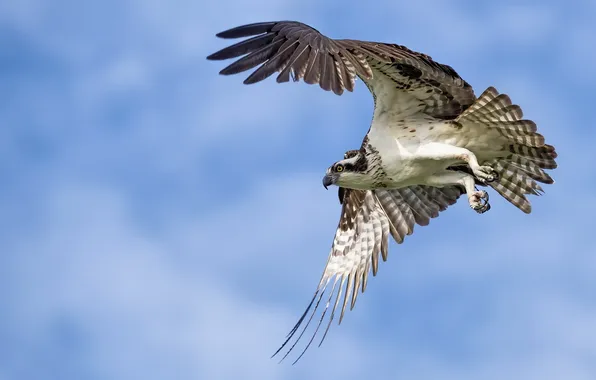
478,199
442,151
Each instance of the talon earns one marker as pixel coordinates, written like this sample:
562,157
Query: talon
479,201
486,174
483,209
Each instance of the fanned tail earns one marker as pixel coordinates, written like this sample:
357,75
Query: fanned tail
527,154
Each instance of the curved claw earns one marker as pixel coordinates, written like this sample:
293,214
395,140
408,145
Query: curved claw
479,202
486,174
484,208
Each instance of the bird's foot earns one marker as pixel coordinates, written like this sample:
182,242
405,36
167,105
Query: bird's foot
485,174
479,201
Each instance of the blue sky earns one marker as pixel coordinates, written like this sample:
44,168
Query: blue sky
160,221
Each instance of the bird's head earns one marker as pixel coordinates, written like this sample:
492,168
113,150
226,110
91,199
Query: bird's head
350,172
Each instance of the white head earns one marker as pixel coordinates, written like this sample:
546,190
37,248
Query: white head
351,172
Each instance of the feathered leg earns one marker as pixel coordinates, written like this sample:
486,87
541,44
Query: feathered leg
455,154
524,153
478,199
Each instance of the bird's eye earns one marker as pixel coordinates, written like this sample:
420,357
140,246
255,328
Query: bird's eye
339,168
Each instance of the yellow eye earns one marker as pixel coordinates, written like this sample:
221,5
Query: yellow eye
339,168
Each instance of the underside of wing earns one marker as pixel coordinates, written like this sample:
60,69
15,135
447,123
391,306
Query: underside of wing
367,220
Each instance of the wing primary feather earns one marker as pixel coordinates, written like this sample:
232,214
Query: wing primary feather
423,205
347,75
305,327
247,30
312,337
399,227
416,206
300,321
356,285
297,325
375,261
324,73
334,308
301,63
252,60
332,312
312,72
346,295
242,47
274,64
284,76
318,325
328,73
341,286
407,215
385,241
365,276
334,80
432,208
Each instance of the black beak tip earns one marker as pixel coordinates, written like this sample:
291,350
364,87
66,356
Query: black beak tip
327,181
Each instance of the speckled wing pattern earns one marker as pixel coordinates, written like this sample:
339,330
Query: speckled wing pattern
295,49
368,218
405,85
398,78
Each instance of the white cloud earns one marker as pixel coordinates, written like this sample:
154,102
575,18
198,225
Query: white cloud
121,287
181,300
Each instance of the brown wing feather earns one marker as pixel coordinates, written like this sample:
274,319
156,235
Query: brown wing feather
291,47
367,220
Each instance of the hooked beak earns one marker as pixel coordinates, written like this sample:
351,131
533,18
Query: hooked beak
327,181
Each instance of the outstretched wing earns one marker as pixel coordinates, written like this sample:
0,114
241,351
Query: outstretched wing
368,217
411,82
293,48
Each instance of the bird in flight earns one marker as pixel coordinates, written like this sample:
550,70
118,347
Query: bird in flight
430,141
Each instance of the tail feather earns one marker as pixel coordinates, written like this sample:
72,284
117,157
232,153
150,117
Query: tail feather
519,126
485,98
495,111
507,113
514,184
502,104
525,156
492,106
535,140
512,177
530,168
514,196
543,156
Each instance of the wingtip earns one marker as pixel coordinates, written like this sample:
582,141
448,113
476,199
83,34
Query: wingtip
227,34
213,57
247,30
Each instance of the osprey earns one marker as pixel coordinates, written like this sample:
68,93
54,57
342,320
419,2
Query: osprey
430,141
